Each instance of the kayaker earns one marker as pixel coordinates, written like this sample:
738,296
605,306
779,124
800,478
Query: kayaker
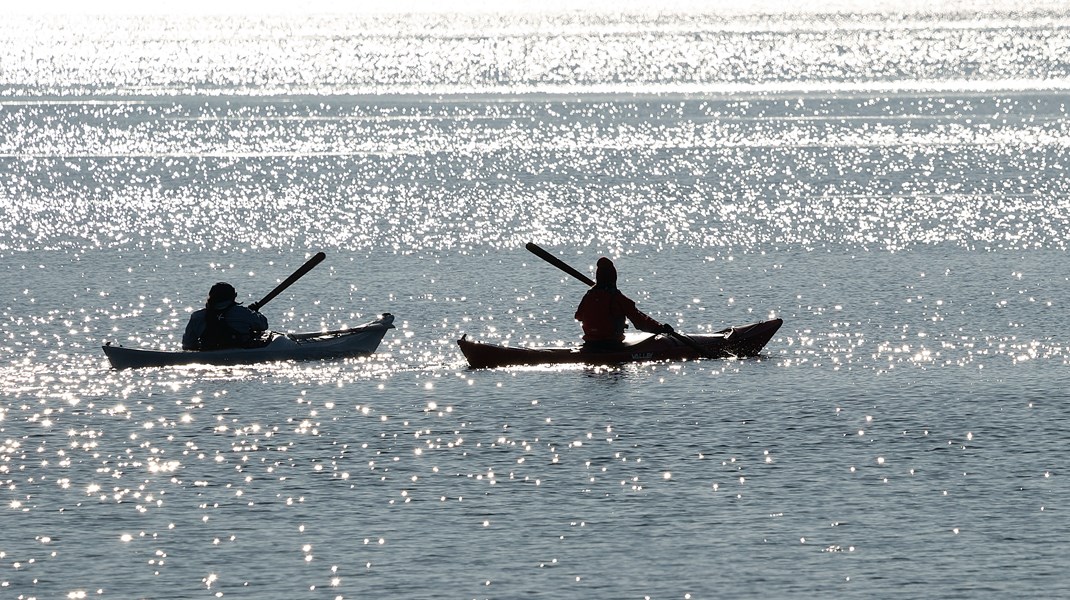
223,322
604,308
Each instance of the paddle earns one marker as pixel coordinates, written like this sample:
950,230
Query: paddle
298,274
557,262
560,264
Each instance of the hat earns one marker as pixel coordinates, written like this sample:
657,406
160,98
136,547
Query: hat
221,295
605,274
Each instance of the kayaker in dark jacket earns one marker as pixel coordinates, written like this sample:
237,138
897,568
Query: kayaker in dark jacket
604,308
223,322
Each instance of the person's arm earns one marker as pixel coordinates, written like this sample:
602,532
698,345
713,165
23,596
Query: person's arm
261,321
194,330
246,321
581,310
641,320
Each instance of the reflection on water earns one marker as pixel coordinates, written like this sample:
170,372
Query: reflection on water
904,427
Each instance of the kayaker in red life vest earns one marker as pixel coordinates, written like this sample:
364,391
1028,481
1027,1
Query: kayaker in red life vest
223,323
604,308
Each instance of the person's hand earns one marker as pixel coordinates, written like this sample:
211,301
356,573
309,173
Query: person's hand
667,329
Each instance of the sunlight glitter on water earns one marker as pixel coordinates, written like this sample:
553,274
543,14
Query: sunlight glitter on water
914,243
472,53
804,175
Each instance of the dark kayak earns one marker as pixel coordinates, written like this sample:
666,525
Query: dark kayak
734,342
283,346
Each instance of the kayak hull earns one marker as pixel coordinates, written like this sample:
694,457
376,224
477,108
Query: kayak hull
734,342
294,346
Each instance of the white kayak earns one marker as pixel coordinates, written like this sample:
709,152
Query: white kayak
282,346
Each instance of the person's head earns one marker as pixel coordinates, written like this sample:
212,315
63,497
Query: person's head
605,274
221,296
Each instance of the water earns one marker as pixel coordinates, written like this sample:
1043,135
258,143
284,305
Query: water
893,186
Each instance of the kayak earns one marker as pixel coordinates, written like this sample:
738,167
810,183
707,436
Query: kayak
734,342
281,346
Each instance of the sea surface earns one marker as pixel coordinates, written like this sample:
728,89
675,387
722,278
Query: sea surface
892,183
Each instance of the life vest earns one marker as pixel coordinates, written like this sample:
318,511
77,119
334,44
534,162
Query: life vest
217,333
603,313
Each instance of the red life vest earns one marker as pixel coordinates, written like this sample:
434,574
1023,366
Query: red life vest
602,313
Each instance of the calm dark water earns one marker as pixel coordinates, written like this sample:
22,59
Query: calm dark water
901,203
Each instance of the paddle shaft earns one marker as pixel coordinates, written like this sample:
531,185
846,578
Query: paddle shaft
557,262
298,274
560,264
